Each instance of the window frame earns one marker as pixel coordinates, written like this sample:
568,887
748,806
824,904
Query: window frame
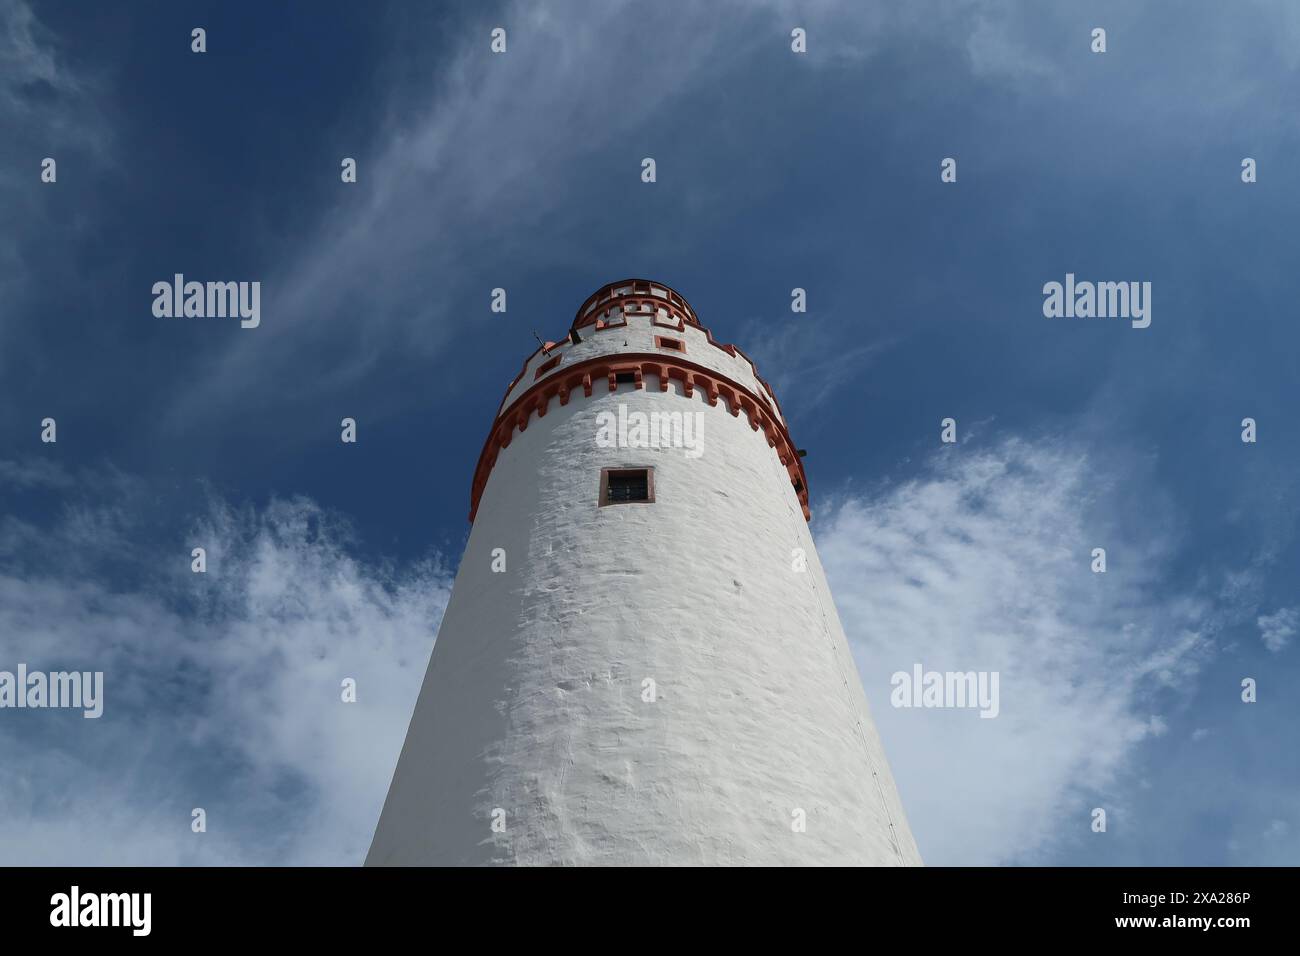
606,473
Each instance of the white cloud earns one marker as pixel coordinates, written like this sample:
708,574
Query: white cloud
804,371
222,691
498,148
33,472
481,161
45,105
27,57
997,46
46,110
983,563
1277,629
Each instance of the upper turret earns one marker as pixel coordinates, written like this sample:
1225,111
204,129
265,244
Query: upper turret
624,334
633,297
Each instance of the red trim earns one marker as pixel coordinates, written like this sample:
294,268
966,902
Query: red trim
666,366
639,293
603,300
636,288
678,326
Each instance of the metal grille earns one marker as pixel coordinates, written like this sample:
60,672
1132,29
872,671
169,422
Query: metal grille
629,486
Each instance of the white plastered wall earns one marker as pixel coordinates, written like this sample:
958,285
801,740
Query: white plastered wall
533,701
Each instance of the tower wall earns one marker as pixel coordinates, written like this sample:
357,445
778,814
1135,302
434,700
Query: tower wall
533,700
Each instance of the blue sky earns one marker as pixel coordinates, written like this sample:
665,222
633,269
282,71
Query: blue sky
775,171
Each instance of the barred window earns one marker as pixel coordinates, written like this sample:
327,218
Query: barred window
626,485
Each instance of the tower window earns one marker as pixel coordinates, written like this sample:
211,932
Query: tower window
677,345
546,367
625,378
620,486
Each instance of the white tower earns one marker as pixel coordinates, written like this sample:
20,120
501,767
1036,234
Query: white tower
641,662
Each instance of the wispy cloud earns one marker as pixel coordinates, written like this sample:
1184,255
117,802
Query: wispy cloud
47,109
496,151
33,472
1277,629
222,690
32,74
805,361
984,563
477,165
